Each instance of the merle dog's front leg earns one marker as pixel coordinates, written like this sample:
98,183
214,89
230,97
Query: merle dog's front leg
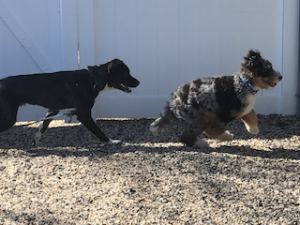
85,118
250,120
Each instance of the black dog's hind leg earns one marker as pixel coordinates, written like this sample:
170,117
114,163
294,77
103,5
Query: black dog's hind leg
8,115
163,121
44,125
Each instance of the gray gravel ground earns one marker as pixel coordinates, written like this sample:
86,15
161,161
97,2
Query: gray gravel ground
72,179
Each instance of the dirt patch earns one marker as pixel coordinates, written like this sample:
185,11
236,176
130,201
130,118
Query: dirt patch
71,178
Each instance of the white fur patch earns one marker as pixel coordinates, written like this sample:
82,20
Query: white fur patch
68,110
107,88
153,127
249,101
200,143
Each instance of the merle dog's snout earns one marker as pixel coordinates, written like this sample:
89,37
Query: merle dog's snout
278,75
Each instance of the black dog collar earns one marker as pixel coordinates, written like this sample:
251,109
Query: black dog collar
248,86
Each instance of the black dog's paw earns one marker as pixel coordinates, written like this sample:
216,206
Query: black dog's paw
114,142
34,143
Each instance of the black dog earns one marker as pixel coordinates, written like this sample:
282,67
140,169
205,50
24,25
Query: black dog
209,104
65,90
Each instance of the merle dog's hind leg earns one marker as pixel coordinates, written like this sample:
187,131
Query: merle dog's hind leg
161,122
219,131
44,125
190,136
225,136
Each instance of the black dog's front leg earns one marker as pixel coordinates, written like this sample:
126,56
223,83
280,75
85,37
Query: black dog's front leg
86,120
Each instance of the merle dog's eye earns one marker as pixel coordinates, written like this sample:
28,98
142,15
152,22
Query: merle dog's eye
265,72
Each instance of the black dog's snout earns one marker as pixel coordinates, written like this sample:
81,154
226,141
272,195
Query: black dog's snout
280,77
135,83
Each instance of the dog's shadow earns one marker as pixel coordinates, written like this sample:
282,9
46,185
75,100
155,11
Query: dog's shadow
94,152
78,141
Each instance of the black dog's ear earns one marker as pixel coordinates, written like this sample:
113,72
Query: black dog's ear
98,77
113,64
110,66
252,59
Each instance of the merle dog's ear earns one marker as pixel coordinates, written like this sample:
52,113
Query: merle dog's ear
251,60
98,77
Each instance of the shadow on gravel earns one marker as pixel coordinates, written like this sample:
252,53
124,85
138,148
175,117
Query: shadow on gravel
41,216
76,140
97,152
276,153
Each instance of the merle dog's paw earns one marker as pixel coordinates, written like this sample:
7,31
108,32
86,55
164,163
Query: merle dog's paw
200,143
253,130
114,142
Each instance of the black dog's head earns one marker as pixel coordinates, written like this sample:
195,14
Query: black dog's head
261,69
113,75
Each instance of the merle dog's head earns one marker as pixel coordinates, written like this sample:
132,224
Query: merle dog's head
113,75
261,69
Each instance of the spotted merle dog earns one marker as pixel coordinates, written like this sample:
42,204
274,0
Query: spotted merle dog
65,90
209,104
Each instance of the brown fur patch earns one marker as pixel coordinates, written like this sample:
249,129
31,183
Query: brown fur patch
265,82
250,119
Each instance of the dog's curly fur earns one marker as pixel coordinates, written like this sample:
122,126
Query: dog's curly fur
209,104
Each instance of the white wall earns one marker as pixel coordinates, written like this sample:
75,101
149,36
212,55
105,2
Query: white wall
164,43
27,44
36,37
167,43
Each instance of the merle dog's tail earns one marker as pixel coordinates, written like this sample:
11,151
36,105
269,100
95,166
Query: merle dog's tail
164,120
